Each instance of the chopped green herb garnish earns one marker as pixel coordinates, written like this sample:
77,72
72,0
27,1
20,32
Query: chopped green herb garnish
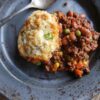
48,36
38,64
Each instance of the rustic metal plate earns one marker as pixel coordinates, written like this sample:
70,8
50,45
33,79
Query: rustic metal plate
59,86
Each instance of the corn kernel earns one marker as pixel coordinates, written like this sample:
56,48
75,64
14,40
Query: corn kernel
56,66
85,62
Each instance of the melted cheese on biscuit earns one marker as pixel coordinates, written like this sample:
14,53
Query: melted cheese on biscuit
39,37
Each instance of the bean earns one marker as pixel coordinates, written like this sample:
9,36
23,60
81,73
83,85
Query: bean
64,41
70,13
85,31
87,49
72,36
74,24
95,36
75,14
83,15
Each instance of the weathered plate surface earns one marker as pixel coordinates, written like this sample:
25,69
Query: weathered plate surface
44,86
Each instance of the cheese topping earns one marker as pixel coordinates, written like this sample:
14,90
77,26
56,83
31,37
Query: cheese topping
39,37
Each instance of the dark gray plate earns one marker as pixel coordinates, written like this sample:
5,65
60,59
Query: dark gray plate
59,85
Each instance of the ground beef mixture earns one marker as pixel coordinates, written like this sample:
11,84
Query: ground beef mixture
78,41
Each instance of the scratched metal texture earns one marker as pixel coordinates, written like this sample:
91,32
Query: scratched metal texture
20,80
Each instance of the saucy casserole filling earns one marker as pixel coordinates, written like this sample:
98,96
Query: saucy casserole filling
60,42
